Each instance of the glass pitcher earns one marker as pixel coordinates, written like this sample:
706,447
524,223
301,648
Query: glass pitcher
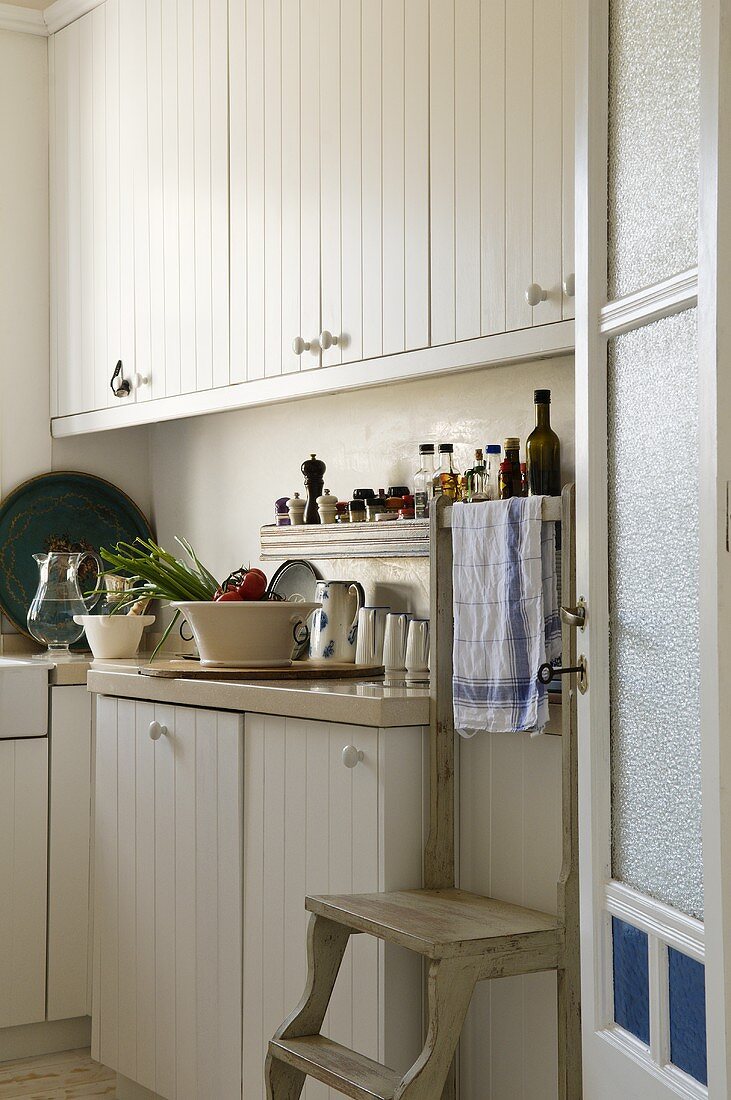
58,598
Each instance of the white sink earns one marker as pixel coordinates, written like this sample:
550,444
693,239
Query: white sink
23,698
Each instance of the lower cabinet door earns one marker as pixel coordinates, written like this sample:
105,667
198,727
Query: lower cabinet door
318,820
23,870
167,890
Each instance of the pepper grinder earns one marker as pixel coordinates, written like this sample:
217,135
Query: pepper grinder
314,470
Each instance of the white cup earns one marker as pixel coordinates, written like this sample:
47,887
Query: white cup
371,630
394,643
417,650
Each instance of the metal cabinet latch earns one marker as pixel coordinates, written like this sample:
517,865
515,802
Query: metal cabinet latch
547,673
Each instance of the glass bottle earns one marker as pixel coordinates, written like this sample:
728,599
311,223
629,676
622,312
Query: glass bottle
446,478
543,451
476,479
423,480
492,467
510,481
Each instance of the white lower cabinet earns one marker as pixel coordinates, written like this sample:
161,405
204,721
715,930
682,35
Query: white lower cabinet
167,888
315,825
209,832
23,869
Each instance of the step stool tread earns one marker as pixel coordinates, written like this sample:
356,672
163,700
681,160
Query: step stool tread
350,1073
439,923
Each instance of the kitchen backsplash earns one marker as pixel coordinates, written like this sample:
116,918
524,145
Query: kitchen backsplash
215,478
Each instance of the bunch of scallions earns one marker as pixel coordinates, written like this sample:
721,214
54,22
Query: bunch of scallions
156,574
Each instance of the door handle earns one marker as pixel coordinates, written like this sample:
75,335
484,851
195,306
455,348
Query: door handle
575,616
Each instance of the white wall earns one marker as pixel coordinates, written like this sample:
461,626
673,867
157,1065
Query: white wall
26,448
215,479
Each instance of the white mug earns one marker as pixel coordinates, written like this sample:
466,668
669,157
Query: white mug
371,631
394,644
417,650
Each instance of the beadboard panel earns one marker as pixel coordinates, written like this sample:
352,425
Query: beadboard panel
23,861
510,813
168,898
313,825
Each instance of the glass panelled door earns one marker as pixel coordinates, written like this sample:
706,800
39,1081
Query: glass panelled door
643,951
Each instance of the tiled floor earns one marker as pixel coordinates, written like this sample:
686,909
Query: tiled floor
65,1076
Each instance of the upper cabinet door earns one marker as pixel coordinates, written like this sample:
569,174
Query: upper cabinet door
501,165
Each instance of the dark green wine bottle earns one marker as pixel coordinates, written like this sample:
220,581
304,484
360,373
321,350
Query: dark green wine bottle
543,450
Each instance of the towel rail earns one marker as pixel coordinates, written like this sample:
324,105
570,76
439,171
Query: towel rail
550,512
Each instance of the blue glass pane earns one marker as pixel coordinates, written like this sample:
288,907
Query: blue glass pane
631,982
688,1015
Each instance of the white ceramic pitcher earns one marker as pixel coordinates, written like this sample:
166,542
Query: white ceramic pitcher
335,625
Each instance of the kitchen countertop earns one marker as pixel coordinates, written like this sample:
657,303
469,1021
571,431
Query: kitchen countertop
356,702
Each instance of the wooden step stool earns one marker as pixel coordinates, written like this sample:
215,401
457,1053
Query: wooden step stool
466,938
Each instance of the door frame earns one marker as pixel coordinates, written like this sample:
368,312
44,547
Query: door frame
596,322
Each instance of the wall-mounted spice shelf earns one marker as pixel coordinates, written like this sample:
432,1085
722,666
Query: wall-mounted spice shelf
401,538
398,539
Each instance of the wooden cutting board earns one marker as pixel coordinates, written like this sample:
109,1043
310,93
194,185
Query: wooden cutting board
299,670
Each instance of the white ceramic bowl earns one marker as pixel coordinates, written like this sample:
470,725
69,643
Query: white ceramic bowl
113,637
255,634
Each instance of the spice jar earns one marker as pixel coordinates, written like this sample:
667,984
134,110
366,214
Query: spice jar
296,509
327,506
374,507
509,477
357,511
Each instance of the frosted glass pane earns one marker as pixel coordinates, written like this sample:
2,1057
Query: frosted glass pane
654,617
654,120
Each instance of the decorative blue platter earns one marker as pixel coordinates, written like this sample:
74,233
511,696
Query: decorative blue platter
62,511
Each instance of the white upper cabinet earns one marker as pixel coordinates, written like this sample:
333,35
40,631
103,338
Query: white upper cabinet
243,191
501,154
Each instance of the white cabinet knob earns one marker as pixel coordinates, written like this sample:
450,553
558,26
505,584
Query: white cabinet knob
535,294
299,345
140,380
351,756
327,340
569,285
157,731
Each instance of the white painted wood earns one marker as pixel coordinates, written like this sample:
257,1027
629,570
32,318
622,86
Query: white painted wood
69,852
313,825
175,903
310,181
394,176
22,20
113,229
519,163
672,295
416,174
85,367
290,184
131,99
674,928
510,813
331,307
70,374
134,100
468,109
23,867
218,16
568,39
202,193
442,161
275,154
492,170
54,229
186,198
171,315
237,91
99,393
714,281
255,190
545,341
351,185
62,12
548,154
156,198
372,213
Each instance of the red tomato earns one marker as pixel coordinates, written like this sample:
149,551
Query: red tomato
232,596
253,586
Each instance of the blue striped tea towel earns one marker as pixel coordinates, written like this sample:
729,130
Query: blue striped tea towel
506,620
